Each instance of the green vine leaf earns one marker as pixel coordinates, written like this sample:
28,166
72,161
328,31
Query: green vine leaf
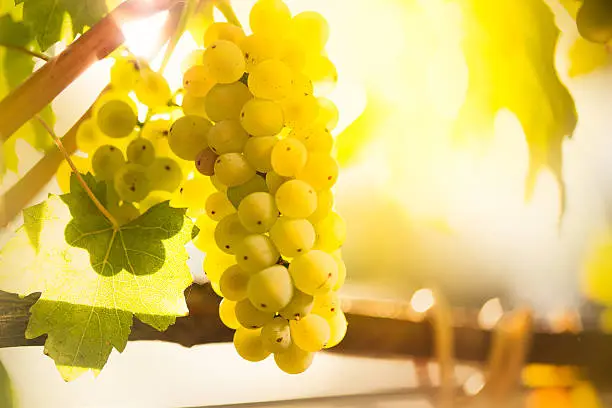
94,279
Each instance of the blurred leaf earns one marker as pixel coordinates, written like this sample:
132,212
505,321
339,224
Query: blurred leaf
200,20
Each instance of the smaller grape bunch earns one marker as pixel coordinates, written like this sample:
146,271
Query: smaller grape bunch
257,124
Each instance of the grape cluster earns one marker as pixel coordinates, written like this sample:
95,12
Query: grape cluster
256,122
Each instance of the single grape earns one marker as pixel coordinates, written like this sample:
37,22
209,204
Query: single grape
292,236
152,89
312,28
205,162
260,117
192,194
229,233
224,61
218,185
227,314
331,232
250,317
125,213
302,85
315,138
205,242
227,136
106,161
232,169
326,304
289,157
89,137
249,346
233,283
258,152
270,289
325,202
197,81
165,174
225,101
141,151
337,328
194,105
270,79
294,360
276,335
238,193
314,272
310,333
131,182
258,48
124,73
328,114
256,252
269,17
320,171
215,288
258,212
116,118
218,206
157,131
300,110
274,181
153,198
300,305
223,31
216,262
189,136
296,199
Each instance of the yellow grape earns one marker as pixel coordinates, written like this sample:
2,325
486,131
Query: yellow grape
257,49
270,79
314,272
249,346
331,232
153,198
141,151
227,136
338,327
152,89
325,202
237,193
215,288
89,137
314,138
157,131
250,317
223,31
218,185
299,306
106,161
116,118
549,398
64,171
300,110
310,333
260,117
276,335
320,171
270,289
218,206
274,181
189,136
270,17
224,61
225,101
197,82
328,114
124,73
256,252
258,212
227,314
233,283
192,194
165,174
194,105
292,237
296,199
294,360
258,152
341,274
232,169
288,157
302,85
205,242
326,304
584,395
229,233
312,28
131,182
293,53
215,261
322,72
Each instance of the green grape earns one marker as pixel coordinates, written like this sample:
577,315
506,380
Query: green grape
325,202
141,151
249,346
256,252
314,138
229,232
194,58
300,110
270,289
106,161
152,89
238,193
131,182
260,117
314,272
250,317
276,335
258,212
331,232
116,118
205,242
294,360
299,306
124,73
192,194
227,136
258,48
292,237
157,131
193,105
310,333
205,162
302,85
337,328
270,79
233,283
288,157
189,136
296,199
274,181
216,261
89,137
232,169
154,198
258,152
227,314
326,304
197,81
224,61
312,28
341,274
223,31
225,101
165,174
218,206
322,72
320,171
328,114
270,17
125,213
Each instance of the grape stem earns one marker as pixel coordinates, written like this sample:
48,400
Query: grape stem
443,327
228,12
90,193
24,50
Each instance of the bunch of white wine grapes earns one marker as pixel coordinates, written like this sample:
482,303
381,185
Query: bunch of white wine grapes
256,122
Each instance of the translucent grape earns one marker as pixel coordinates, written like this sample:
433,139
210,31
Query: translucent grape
310,333
256,252
260,117
270,289
229,232
124,73
116,118
218,206
320,171
225,101
328,114
227,136
223,31
294,360
258,152
224,61
193,192
197,81
299,306
326,304
141,151
189,136
227,314
216,262
337,328
296,199
89,137
312,28
106,161
238,193
314,138
205,162
276,335
249,346
325,202
152,89
194,105
289,157
125,213
215,288
205,242
300,110
258,212
250,317
270,17
157,131
131,182
270,79
302,85
341,274
232,169
292,237
257,48
331,232
165,174
314,272
274,181
233,283
322,72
